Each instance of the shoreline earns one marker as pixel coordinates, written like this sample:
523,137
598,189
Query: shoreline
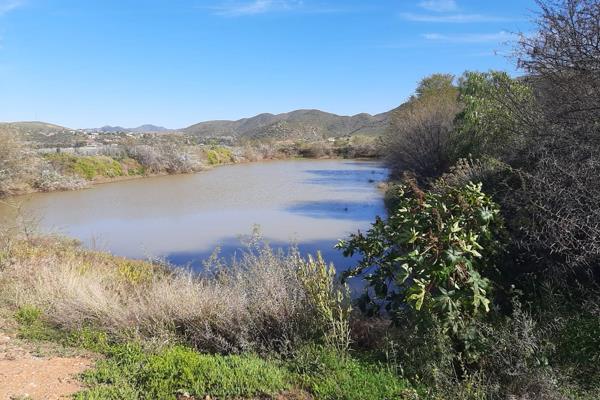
102,181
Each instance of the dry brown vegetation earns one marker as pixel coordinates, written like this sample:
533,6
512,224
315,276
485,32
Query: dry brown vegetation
261,302
418,139
17,164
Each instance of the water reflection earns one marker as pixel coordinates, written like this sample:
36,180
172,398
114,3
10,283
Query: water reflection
337,209
347,179
310,202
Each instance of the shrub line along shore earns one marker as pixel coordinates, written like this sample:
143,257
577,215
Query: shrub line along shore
28,172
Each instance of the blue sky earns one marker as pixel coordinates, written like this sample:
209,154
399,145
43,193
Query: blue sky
87,63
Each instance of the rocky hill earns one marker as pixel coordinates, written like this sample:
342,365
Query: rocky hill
305,124
299,124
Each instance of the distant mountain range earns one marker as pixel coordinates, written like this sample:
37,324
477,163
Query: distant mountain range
299,124
308,124
140,129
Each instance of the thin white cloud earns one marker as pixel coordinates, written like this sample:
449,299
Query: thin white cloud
497,37
243,8
439,5
9,5
454,18
255,7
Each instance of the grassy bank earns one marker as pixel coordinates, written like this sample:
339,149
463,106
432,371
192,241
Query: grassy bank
271,324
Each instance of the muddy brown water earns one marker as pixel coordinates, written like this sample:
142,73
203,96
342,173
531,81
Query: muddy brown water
184,218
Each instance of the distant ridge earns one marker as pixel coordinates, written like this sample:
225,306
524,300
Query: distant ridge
148,128
298,124
307,124
32,127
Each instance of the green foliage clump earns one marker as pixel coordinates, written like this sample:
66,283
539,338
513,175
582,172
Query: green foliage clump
32,326
135,272
330,375
434,85
88,338
219,155
233,376
491,122
28,315
88,167
130,372
332,304
432,253
578,349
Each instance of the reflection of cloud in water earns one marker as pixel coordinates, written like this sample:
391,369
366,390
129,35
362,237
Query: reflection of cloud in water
206,230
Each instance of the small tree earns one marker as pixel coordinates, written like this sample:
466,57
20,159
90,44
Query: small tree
497,113
418,137
435,84
432,253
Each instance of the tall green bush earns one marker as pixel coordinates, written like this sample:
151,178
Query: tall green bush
497,112
331,303
432,253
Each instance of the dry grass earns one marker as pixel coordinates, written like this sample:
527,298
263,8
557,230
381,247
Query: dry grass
259,303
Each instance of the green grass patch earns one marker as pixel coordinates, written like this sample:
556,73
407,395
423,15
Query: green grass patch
33,327
131,373
578,349
330,375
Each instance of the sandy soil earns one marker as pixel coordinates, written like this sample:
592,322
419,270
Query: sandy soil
27,373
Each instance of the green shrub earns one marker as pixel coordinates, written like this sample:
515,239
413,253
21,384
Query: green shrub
212,157
492,122
393,196
179,369
219,155
432,253
88,338
88,167
32,326
332,303
28,315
